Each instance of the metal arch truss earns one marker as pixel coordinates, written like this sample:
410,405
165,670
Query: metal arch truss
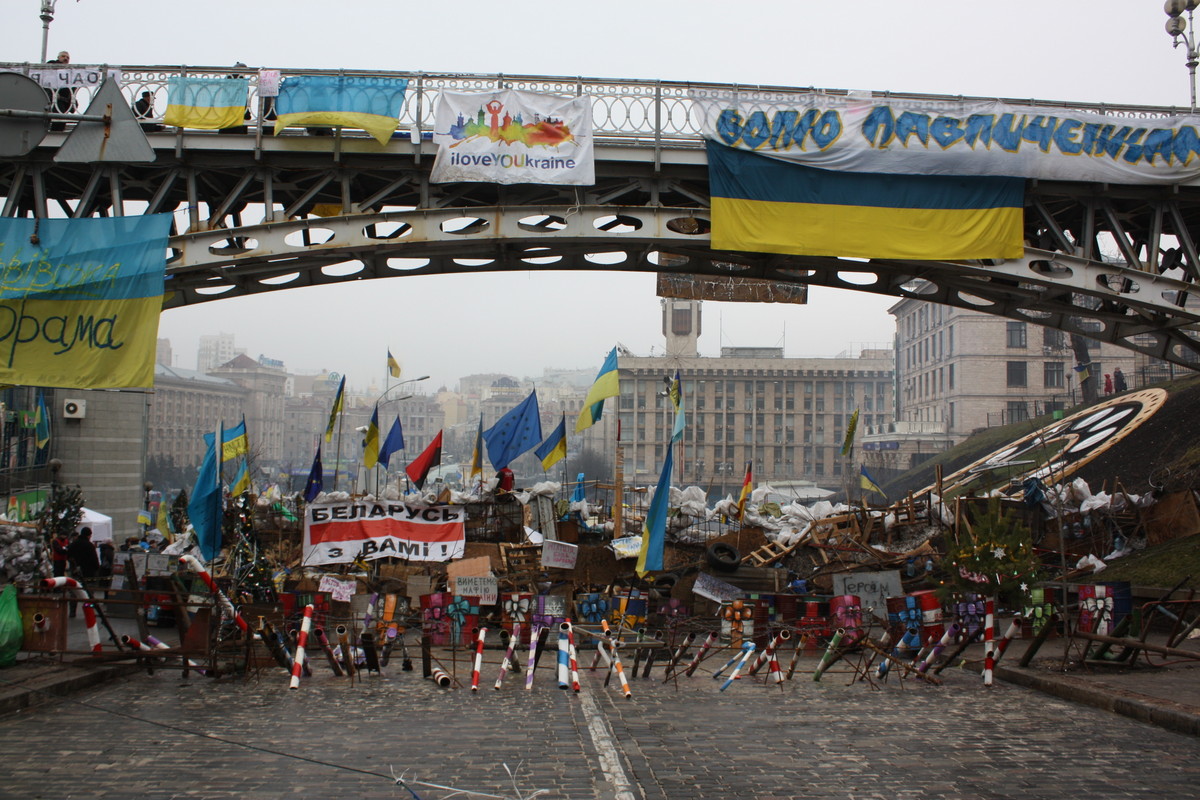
1132,308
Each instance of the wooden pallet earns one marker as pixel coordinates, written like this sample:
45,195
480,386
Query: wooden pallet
522,562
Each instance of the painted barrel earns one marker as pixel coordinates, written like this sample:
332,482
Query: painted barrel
931,615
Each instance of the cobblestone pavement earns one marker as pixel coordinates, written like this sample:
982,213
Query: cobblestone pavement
329,739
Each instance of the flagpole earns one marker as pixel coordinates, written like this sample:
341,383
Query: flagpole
337,456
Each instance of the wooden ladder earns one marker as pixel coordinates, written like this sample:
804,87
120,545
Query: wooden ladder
768,554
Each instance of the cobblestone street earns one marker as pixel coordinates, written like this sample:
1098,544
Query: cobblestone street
812,740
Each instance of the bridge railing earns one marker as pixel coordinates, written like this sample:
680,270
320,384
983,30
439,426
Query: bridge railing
624,112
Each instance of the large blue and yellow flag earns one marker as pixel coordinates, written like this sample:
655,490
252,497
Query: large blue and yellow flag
42,426
206,103
767,205
867,483
606,385
554,449
654,529
79,309
234,441
204,506
242,482
349,101
517,432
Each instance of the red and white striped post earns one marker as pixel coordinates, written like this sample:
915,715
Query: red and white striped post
989,643
479,639
507,663
301,644
704,648
227,609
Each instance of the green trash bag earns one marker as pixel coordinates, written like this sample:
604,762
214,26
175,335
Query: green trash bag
11,631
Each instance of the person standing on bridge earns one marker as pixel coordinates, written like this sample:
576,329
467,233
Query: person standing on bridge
62,100
1108,384
1119,384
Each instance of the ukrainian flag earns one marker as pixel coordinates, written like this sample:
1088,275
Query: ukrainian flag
242,482
79,309
554,449
234,441
767,205
606,385
348,101
206,103
867,483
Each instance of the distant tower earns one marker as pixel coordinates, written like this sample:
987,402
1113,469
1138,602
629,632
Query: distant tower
681,327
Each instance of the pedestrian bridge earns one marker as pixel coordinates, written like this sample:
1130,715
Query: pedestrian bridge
260,212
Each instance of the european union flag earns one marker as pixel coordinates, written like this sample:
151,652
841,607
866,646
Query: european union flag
394,443
517,432
316,478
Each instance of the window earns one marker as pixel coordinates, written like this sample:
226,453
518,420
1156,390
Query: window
1052,375
1017,374
950,375
1016,334
1053,338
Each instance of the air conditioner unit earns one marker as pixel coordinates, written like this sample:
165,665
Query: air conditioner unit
74,408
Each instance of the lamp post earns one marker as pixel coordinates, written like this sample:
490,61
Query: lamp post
1183,32
47,16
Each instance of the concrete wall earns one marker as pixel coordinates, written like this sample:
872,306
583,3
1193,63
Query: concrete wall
104,453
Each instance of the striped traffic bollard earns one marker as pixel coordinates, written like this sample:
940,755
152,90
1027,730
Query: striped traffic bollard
796,651
507,663
747,651
535,634
572,656
479,640
301,646
828,658
947,637
1014,628
41,623
329,656
774,673
440,677
704,648
688,639
616,657
564,659
989,640
227,609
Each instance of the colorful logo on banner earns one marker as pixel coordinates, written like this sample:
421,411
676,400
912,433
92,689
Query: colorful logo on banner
918,137
80,300
338,533
514,137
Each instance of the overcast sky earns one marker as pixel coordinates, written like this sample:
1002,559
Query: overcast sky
1083,50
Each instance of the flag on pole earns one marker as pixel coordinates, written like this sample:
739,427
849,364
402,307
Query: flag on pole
394,443
477,453
654,529
517,432
316,478
1082,373
747,487
675,392
204,506
606,385
371,444
848,444
242,482
234,441
143,516
393,365
554,449
867,482
337,409
42,424
418,470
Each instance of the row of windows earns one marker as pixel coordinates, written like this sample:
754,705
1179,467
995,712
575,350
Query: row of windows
1053,374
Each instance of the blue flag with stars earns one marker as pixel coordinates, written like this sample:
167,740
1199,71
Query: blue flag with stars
517,432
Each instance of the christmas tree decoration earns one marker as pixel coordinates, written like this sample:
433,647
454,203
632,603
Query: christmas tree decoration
992,557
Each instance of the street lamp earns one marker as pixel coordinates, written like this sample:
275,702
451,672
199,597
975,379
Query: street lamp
379,400
1183,31
47,16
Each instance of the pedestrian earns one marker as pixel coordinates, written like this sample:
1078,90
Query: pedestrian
83,555
1119,384
62,100
506,479
143,109
1108,384
58,553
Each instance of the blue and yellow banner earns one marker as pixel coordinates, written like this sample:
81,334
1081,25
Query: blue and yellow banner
768,205
858,132
349,101
80,300
206,103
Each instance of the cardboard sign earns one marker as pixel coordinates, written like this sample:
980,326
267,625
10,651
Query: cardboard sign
485,587
478,566
342,591
872,588
714,589
559,555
